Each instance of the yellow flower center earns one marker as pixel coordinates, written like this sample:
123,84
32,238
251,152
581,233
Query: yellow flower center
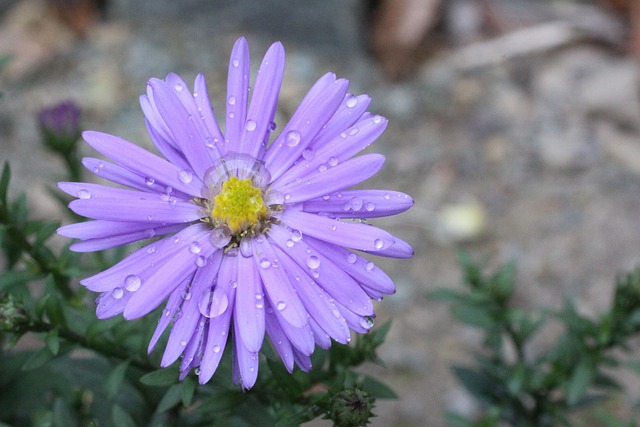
239,205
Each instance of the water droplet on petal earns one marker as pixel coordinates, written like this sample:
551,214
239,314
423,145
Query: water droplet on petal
369,266
235,62
378,243
387,196
84,194
117,293
308,153
296,235
250,125
233,284
356,203
377,119
150,233
281,305
366,323
195,248
231,115
292,138
332,161
231,100
352,258
216,348
352,102
370,207
353,131
335,312
185,176
183,343
132,283
289,243
201,261
178,87
322,168
313,262
149,181
213,304
265,263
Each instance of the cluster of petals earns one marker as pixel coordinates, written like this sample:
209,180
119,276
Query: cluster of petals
300,279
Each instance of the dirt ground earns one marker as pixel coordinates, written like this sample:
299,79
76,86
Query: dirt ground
519,145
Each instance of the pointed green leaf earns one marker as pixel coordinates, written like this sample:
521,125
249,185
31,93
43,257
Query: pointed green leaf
115,379
162,377
171,398
120,417
53,342
4,183
377,389
37,359
579,382
188,390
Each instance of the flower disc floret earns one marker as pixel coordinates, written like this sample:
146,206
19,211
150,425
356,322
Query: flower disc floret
239,206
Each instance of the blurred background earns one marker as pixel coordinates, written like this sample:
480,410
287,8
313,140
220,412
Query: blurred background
514,124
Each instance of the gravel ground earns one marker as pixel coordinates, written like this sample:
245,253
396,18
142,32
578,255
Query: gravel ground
534,158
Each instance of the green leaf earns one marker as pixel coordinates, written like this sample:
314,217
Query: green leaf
377,336
170,399
4,182
479,384
188,390
9,279
53,342
580,380
377,389
475,316
38,359
61,414
161,377
115,379
120,417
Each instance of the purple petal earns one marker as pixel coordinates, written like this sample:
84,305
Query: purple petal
322,338
315,300
237,94
350,234
307,121
277,285
165,278
246,361
110,304
219,326
98,244
279,340
300,338
338,284
97,229
193,353
349,112
85,190
360,204
168,314
399,249
185,326
201,96
264,99
339,149
142,162
167,149
302,360
185,127
356,322
362,270
344,175
249,311
151,211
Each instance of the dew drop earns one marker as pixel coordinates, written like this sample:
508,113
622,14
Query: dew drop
369,266
178,87
366,323
150,233
132,283
185,176
183,343
151,249
259,306
293,138
172,200
387,196
370,207
213,304
308,153
265,263
216,348
84,194
235,62
233,284
322,168
281,305
289,243
149,181
352,102
250,125
187,295
313,262
164,197
377,119
117,293
335,312
356,203
296,235
352,258
195,248
149,217
378,243
353,131
201,261
231,115
332,161
197,371
231,100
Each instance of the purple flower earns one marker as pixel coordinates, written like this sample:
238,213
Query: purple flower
60,125
256,232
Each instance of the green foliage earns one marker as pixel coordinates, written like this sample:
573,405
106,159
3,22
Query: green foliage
545,387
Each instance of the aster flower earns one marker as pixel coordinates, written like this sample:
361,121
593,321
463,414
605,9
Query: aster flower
259,237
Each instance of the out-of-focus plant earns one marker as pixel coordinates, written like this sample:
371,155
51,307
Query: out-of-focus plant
517,384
